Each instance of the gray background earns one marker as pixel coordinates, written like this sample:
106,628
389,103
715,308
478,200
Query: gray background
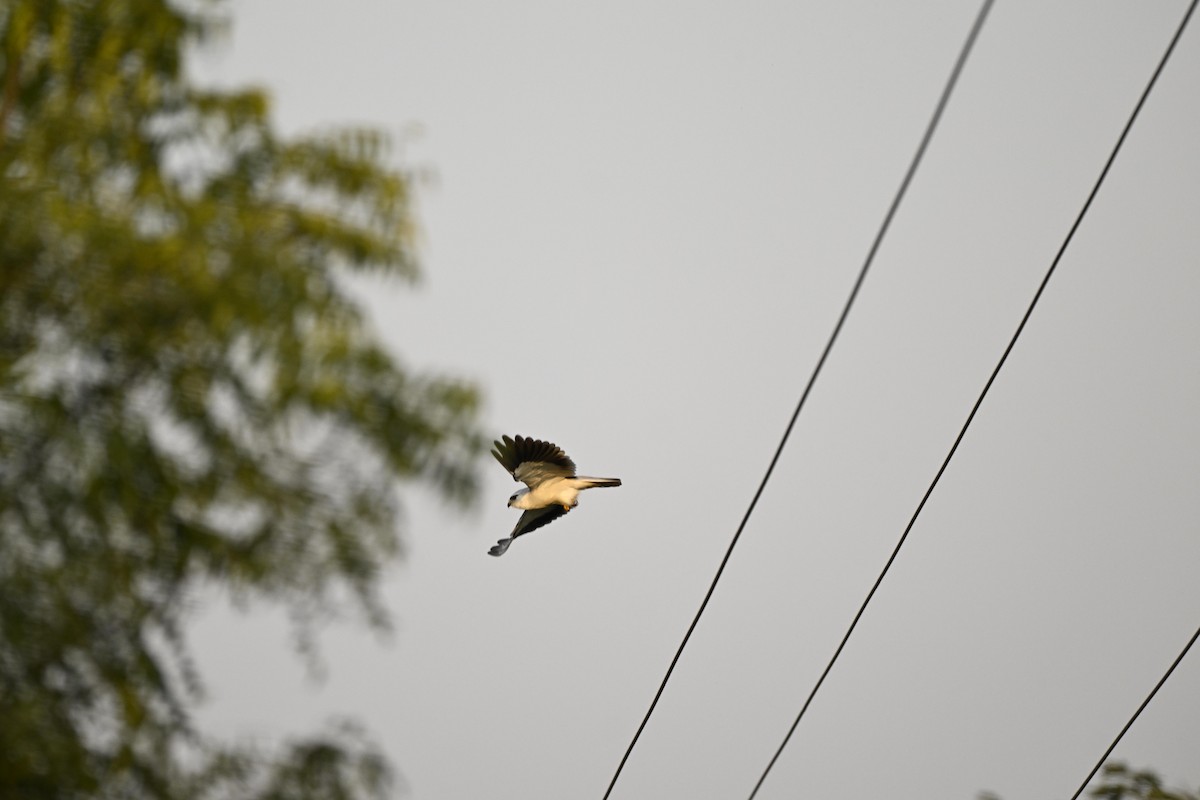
644,219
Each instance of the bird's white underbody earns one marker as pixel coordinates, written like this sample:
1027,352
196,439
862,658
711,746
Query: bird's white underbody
556,492
552,486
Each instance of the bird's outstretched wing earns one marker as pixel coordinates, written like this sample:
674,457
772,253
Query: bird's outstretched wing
531,520
533,461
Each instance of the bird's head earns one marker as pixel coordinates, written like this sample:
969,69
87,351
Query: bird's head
512,501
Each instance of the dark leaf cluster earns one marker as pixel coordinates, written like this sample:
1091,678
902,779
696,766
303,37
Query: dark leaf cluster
189,397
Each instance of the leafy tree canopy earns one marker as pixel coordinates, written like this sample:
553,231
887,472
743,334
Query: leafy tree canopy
188,397
1122,783
1119,782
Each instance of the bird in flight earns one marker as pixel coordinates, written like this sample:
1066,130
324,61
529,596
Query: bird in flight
553,485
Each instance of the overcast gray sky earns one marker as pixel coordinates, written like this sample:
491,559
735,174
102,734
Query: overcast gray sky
645,219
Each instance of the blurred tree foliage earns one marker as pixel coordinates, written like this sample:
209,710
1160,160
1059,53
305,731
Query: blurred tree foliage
1122,783
188,398
1119,782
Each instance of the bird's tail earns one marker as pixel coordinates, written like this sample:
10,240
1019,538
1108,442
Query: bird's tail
501,546
596,483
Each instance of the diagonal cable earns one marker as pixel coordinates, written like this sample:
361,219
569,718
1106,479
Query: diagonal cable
970,417
1140,708
883,228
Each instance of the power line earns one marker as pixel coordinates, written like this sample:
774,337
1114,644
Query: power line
883,228
970,417
1145,702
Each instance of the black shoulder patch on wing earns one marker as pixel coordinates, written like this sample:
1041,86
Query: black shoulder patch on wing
511,453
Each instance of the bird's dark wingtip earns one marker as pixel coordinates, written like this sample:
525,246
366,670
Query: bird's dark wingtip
500,547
